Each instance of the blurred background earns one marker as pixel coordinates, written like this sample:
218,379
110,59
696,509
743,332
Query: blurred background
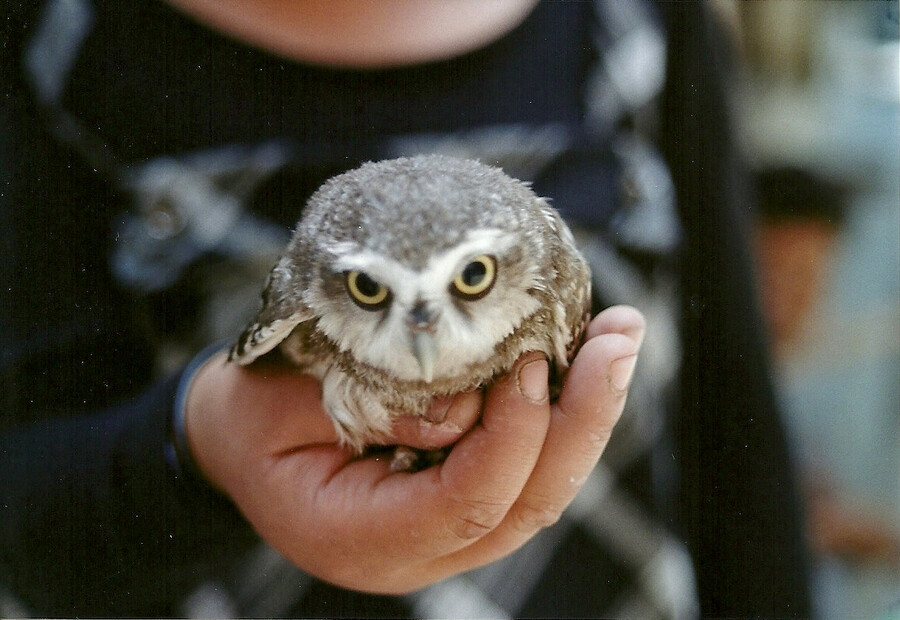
817,96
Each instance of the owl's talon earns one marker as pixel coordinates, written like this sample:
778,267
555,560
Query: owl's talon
404,459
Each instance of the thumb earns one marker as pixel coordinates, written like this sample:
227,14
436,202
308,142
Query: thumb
448,419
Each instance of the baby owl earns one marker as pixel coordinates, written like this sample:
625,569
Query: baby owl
411,278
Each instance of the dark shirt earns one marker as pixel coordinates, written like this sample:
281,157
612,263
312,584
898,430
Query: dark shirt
94,521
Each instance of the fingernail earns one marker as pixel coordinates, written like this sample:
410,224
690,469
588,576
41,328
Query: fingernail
437,413
437,435
620,372
531,381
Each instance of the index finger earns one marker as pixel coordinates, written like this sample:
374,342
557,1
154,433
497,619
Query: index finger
582,421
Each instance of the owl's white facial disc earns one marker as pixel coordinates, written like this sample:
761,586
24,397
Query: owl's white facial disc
427,330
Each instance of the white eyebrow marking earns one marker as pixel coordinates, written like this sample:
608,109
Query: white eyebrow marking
431,281
480,241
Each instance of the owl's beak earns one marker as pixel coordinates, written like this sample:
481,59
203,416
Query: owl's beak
425,350
421,320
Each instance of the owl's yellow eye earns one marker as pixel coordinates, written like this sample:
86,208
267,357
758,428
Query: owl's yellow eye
476,278
366,292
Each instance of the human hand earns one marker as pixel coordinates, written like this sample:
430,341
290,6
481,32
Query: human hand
260,435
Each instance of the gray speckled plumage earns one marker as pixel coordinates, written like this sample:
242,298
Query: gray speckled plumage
413,225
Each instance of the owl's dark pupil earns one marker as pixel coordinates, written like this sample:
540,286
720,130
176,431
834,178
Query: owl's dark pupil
474,273
367,286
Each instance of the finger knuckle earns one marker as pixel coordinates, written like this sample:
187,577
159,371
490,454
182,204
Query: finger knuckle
590,440
595,439
473,518
536,514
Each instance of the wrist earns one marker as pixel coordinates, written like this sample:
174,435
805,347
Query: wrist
178,450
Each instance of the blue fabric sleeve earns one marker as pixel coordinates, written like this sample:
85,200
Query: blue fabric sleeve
95,521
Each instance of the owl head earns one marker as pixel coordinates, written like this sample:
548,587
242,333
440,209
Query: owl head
417,266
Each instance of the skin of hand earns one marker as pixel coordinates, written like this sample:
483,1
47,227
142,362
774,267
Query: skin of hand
260,435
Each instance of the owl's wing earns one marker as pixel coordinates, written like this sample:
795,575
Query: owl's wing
261,337
572,283
281,312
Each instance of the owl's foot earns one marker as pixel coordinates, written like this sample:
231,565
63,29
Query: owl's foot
406,459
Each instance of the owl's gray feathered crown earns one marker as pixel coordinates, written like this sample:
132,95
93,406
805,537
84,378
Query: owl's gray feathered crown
394,206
